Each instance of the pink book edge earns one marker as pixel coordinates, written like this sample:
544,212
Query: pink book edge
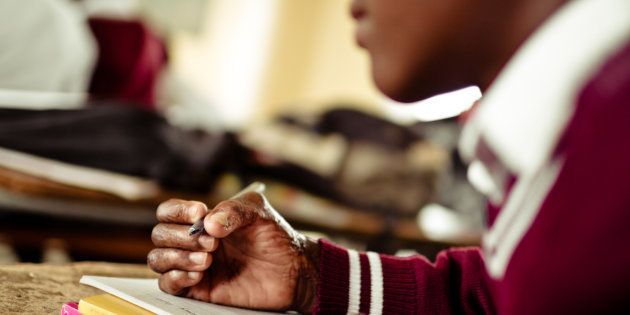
70,308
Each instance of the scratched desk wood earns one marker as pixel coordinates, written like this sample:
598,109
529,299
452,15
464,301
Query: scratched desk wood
42,289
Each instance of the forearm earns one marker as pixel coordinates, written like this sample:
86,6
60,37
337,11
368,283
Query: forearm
353,282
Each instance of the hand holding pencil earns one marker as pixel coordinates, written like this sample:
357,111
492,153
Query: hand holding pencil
247,255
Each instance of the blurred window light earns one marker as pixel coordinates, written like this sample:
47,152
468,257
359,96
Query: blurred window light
438,107
227,60
439,222
442,224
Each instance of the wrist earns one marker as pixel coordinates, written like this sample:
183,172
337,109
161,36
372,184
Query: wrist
308,278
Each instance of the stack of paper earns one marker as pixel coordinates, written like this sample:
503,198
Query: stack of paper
145,294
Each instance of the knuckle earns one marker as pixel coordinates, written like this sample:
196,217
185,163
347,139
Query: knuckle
196,210
173,255
165,284
228,205
172,236
177,213
157,234
175,278
153,260
166,206
181,211
254,198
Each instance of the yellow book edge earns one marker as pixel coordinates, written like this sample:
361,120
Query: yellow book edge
107,304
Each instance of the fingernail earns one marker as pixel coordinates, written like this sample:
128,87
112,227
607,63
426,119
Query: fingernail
198,258
221,218
177,274
206,241
194,275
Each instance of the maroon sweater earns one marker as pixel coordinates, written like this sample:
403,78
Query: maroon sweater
559,247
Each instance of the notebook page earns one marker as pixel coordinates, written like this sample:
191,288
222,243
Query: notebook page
146,294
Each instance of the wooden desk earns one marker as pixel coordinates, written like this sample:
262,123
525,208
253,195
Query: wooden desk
42,289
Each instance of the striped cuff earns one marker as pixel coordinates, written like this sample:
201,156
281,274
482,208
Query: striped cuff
353,283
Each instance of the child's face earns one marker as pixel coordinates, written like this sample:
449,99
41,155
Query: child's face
414,45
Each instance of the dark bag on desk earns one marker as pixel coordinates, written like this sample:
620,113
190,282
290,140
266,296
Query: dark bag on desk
121,139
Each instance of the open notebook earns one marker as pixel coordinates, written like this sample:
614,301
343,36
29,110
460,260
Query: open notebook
146,294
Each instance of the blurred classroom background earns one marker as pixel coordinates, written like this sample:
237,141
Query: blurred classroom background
109,107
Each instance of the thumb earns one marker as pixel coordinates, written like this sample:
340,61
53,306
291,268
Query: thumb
233,214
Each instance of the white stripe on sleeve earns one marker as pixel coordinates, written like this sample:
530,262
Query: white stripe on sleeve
376,278
355,282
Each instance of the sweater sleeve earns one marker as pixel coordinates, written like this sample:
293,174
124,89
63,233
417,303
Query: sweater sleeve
354,282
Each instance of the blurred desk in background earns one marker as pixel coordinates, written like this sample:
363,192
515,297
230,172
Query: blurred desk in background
94,225
90,224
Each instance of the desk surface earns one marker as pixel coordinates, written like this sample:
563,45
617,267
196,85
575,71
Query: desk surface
42,289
